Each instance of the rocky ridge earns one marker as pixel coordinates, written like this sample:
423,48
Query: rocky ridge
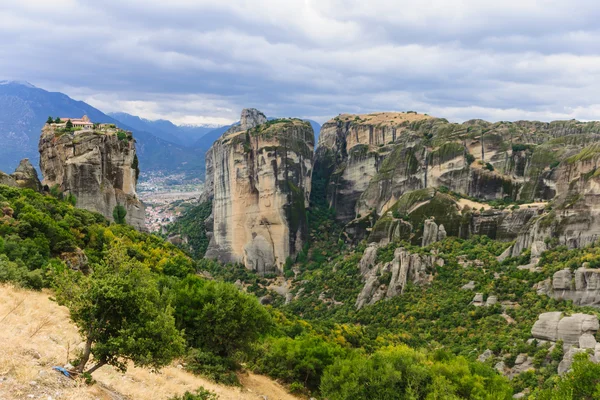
98,166
389,172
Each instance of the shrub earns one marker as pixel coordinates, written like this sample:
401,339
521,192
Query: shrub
470,158
119,214
199,394
216,368
489,167
302,359
217,317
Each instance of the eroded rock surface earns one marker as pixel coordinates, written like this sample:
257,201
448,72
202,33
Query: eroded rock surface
577,332
582,286
259,180
388,280
98,166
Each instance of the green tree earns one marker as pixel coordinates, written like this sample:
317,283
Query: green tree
49,120
582,382
120,313
69,124
57,120
218,317
119,214
398,373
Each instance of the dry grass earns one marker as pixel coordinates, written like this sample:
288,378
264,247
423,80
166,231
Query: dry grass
36,334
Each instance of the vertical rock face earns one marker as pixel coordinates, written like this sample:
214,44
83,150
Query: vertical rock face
99,167
259,179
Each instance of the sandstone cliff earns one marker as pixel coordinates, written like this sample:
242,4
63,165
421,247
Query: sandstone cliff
259,180
99,167
389,172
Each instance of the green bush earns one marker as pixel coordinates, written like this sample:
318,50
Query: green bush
216,368
199,394
119,214
402,373
217,317
302,359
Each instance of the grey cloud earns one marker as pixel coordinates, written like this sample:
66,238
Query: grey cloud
187,59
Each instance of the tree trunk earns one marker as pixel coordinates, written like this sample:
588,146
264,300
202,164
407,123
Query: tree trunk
95,367
86,356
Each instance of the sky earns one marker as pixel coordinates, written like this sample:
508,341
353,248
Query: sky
202,61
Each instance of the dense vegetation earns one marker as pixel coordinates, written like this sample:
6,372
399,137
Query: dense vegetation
421,345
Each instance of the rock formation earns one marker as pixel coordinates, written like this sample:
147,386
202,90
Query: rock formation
432,233
25,176
98,166
576,331
581,286
259,180
389,162
388,280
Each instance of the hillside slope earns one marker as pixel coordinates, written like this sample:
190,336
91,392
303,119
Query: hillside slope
37,334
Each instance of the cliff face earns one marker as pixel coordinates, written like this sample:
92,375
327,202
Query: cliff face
259,180
99,167
389,172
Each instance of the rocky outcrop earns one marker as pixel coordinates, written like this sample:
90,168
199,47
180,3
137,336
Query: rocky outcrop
388,280
259,179
25,176
553,326
98,166
7,180
432,233
576,332
581,286
371,162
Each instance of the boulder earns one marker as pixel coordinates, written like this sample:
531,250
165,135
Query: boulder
571,328
468,286
7,180
478,300
491,300
561,280
368,259
587,341
546,327
483,357
567,361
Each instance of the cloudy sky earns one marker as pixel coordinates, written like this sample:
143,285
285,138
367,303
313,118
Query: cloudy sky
202,61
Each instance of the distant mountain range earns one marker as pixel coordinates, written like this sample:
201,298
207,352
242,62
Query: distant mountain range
183,135
25,108
161,144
